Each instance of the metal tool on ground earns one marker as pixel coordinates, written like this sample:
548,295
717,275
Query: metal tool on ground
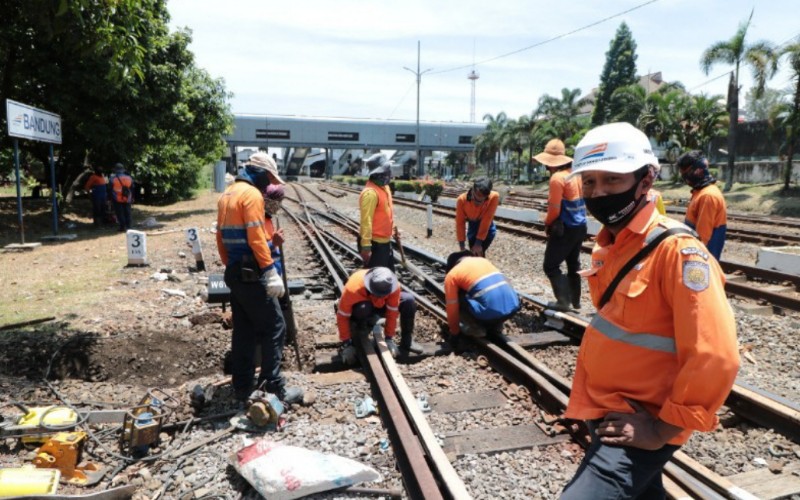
286,306
64,452
400,246
28,481
265,409
37,424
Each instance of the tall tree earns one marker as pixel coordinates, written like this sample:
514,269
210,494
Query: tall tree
787,114
618,71
758,108
761,58
126,88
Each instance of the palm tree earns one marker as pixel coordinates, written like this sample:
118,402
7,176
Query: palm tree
787,114
760,56
490,140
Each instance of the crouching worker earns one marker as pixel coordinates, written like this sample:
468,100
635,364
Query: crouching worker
367,295
479,297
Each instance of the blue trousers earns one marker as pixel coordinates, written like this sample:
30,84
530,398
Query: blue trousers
611,472
472,234
257,319
123,211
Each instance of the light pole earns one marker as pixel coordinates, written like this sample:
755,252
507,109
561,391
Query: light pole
420,165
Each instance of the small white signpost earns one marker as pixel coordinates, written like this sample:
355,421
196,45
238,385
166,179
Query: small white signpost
137,247
27,122
193,238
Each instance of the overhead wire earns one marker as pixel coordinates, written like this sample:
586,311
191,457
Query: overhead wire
539,44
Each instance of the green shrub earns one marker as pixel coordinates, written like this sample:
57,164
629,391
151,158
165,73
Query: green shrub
433,190
404,186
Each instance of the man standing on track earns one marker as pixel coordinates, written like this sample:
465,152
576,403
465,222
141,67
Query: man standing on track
96,185
707,213
660,356
121,185
254,282
377,215
565,226
476,209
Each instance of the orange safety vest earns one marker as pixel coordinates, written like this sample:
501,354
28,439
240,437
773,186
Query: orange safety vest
469,211
667,336
241,230
119,180
380,224
355,292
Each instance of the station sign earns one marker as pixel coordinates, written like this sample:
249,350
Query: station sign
342,136
27,122
465,139
405,137
264,133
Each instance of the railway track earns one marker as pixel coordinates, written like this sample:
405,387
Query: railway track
685,477
745,281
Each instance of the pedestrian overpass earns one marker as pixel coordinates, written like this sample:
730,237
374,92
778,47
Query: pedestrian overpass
295,132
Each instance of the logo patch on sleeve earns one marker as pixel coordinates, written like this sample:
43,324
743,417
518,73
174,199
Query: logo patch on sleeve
695,275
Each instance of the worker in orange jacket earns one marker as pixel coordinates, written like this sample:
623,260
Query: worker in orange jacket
565,226
250,273
660,356
476,209
707,212
121,185
96,185
377,215
368,294
479,298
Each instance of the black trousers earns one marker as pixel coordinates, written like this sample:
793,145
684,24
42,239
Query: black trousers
564,248
257,319
123,211
382,255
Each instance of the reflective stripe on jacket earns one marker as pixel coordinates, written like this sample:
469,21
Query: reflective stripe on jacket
707,214
565,200
355,292
117,181
240,226
667,336
377,219
467,211
489,295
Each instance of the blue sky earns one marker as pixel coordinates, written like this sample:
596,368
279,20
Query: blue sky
345,58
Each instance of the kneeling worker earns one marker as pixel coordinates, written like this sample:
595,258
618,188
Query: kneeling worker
370,293
478,289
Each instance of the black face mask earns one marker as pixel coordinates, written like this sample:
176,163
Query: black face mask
614,209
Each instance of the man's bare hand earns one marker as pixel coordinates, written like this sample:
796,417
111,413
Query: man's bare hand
277,238
637,430
477,250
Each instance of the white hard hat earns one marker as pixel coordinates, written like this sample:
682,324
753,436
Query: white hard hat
616,147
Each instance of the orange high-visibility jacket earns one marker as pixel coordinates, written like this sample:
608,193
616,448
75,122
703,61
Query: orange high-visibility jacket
565,200
469,211
489,295
240,226
377,214
667,337
707,214
117,181
95,180
355,292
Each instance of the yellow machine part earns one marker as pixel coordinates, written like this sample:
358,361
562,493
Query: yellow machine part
23,481
48,416
63,452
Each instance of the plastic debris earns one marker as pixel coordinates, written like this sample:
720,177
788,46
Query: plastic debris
365,407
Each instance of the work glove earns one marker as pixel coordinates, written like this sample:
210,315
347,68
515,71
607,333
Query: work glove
348,353
273,283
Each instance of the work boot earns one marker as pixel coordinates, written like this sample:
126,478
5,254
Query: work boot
560,286
575,290
290,395
391,346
